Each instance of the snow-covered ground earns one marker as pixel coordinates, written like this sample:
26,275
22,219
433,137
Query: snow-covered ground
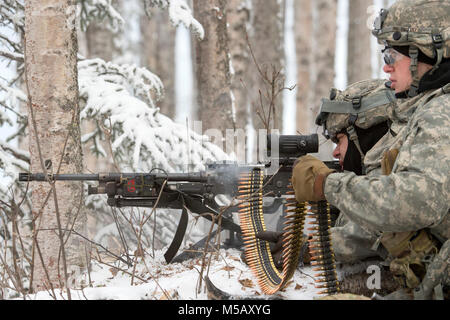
180,281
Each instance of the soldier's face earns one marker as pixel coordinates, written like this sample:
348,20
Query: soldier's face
341,148
399,74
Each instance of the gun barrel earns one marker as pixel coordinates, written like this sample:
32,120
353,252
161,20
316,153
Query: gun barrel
42,177
192,177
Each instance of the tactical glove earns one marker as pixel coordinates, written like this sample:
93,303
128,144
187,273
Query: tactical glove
308,179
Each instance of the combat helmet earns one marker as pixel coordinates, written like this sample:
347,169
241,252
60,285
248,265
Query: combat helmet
363,104
421,25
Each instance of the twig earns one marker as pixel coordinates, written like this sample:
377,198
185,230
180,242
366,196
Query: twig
206,249
107,133
90,241
120,269
273,89
12,56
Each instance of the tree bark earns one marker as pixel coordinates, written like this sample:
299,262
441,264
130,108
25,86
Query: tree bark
51,73
157,54
358,56
323,48
303,41
323,53
213,67
266,40
238,18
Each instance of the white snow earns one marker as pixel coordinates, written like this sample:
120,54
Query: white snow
179,13
160,281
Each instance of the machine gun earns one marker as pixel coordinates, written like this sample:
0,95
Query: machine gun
197,191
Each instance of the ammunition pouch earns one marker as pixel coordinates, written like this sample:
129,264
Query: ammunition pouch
410,253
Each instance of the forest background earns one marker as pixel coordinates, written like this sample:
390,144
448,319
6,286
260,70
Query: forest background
117,86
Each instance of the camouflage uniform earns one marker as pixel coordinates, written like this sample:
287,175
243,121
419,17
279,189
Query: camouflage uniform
352,243
416,194
402,200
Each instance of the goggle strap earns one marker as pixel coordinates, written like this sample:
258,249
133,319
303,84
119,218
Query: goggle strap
413,54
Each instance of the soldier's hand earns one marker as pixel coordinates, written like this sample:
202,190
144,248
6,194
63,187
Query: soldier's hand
275,239
308,179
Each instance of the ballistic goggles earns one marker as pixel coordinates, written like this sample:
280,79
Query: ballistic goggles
390,55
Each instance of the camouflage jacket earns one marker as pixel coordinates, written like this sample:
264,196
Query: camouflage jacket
398,115
416,194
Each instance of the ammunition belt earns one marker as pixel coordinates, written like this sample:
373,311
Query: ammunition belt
257,252
321,250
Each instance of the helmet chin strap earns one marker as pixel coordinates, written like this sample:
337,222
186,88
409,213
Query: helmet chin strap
439,48
353,136
413,67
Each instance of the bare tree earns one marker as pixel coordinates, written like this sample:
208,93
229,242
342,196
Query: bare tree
358,56
315,47
238,15
303,42
55,145
266,39
157,54
213,66
99,42
323,48
323,55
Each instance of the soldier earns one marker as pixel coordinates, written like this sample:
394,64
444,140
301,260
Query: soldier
405,204
355,119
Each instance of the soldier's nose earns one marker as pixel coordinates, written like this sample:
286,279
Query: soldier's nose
388,68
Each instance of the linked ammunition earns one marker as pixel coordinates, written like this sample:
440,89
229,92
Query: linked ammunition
257,252
320,248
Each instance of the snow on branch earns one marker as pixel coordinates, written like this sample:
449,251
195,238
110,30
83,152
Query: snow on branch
10,99
122,98
179,13
12,55
12,12
12,160
98,10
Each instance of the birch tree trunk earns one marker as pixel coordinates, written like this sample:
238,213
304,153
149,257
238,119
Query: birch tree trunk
238,16
99,44
303,42
157,54
51,73
213,67
266,41
358,57
323,48
323,53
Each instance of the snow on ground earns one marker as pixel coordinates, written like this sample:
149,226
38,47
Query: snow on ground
180,280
